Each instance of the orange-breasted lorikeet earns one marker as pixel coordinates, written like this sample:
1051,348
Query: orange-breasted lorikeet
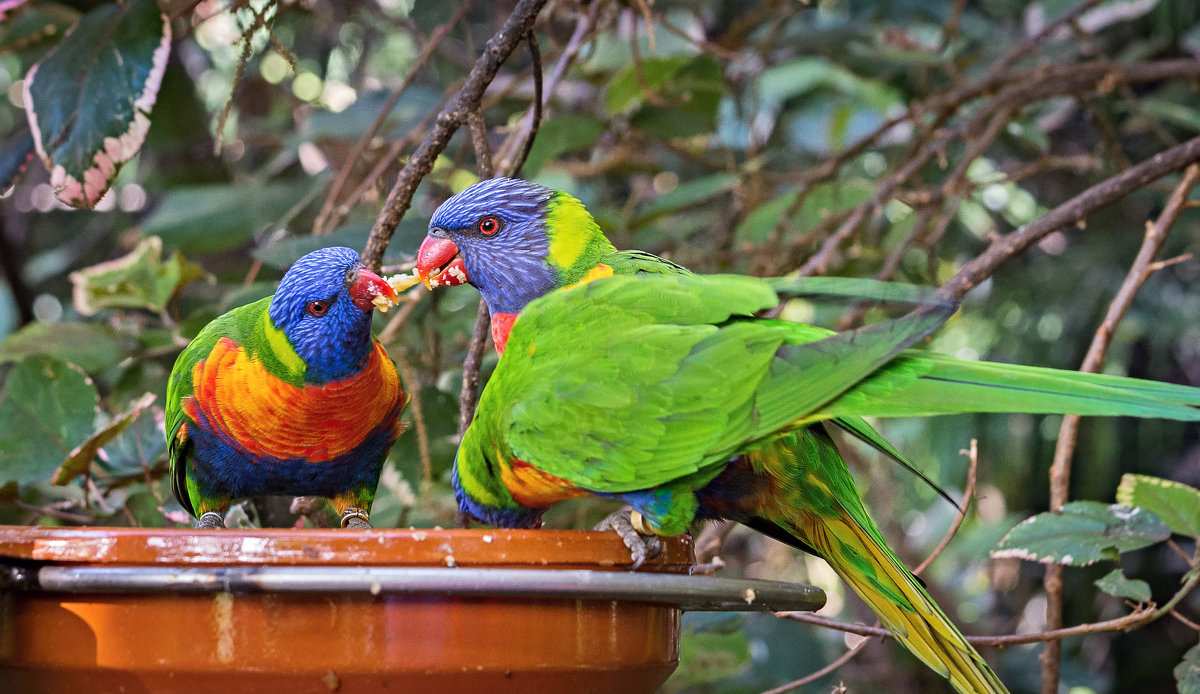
289,395
648,384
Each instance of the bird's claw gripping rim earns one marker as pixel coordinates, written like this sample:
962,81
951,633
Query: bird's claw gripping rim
355,518
210,519
642,542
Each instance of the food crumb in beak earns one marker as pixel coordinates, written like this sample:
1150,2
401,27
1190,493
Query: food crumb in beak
382,303
398,283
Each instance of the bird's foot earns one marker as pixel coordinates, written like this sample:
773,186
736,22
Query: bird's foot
209,520
356,519
629,524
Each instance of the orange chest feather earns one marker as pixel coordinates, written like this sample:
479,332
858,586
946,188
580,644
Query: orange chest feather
236,395
533,488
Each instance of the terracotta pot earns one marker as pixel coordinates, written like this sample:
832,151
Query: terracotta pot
131,610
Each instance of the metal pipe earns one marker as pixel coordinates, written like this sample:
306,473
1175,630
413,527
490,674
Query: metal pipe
687,592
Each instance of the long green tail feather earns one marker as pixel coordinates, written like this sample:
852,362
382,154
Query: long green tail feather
858,427
918,384
852,288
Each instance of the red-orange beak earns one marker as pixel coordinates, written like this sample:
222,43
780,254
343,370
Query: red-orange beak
439,263
367,287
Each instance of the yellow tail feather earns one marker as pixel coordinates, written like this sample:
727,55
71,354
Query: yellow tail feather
920,625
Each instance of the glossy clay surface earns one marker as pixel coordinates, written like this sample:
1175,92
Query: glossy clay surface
294,643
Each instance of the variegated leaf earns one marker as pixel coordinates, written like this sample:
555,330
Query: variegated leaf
88,101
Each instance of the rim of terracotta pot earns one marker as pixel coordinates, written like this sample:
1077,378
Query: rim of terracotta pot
550,564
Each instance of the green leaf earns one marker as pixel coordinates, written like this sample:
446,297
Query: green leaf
1168,110
48,409
1084,533
1187,672
220,216
139,446
79,460
89,99
560,135
781,82
675,97
711,656
440,410
1177,504
90,346
625,90
282,252
692,97
685,195
141,279
30,27
15,154
1117,585
760,222
146,510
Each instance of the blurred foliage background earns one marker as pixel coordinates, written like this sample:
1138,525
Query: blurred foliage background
729,136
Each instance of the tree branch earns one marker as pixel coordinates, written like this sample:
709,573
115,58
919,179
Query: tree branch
1072,212
1060,469
498,48
323,225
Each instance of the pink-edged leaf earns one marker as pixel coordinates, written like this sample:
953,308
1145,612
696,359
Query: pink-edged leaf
15,154
88,101
9,7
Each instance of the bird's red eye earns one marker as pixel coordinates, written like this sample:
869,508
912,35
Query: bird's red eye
489,226
317,308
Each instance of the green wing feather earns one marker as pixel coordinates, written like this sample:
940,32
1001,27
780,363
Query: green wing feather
636,262
705,383
700,383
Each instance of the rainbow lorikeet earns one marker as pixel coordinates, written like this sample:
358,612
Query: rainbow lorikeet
659,388
289,395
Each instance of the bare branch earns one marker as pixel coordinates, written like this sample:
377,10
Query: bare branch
498,48
322,224
1070,213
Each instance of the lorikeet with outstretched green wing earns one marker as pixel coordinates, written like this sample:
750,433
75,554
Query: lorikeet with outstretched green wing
289,395
660,388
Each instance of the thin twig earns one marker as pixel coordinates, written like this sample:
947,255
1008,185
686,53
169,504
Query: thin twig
1069,213
469,396
1185,621
409,376
322,225
479,140
972,454
54,513
535,118
410,300
498,48
1144,614
582,28
831,667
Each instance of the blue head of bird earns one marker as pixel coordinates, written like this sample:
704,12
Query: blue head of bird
323,305
514,240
